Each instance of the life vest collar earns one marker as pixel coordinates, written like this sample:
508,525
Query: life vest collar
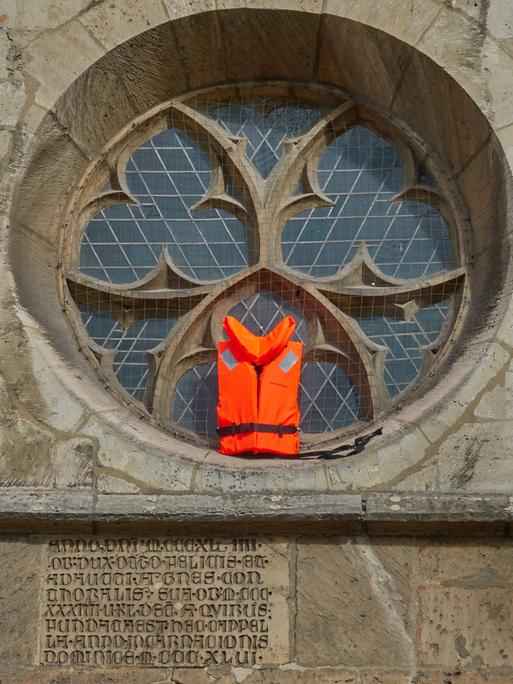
258,350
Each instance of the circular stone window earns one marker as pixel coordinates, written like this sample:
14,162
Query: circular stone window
262,201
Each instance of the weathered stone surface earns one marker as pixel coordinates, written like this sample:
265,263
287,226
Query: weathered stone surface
148,470
62,675
216,601
472,627
389,678
355,603
12,97
466,563
95,108
45,14
406,19
73,462
20,569
274,477
56,59
116,21
301,676
379,463
475,60
466,615
480,372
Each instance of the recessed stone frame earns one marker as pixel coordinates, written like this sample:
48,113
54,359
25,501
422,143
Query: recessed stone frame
327,303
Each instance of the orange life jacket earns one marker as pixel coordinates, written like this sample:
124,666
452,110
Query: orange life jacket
258,386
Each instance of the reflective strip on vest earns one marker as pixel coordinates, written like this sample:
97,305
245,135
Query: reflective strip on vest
287,363
229,359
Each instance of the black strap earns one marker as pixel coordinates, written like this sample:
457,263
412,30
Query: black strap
356,448
256,427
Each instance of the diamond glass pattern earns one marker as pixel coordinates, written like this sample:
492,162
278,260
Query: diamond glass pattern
167,175
405,341
131,345
361,172
328,400
262,311
265,125
195,401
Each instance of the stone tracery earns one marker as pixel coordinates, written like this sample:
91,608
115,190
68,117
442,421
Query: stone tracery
294,223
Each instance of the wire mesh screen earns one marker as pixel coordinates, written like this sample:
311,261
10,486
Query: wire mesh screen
264,206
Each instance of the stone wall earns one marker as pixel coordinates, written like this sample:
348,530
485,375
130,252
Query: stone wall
351,610
417,591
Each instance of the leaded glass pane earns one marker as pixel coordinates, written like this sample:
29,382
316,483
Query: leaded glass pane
262,311
328,400
264,126
405,341
167,175
130,361
195,400
361,172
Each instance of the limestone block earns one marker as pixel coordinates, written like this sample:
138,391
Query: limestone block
182,8
475,60
118,20
246,37
6,138
378,463
493,16
300,676
60,675
56,59
25,454
405,19
40,15
377,76
424,90
108,484
12,97
55,164
465,626
19,563
73,461
476,458
95,108
505,331
390,678
148,470
466,563
497,404
149,66
354,603
277,477
484,367
5,47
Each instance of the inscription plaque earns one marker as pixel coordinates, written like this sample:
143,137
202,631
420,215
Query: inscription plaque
157,602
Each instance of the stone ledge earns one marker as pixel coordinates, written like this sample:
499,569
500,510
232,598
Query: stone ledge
370,513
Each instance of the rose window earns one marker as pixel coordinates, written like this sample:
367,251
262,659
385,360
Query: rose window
264,201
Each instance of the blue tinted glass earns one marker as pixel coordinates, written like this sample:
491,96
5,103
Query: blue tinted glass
262,311
167,175
130,361
361,172
404,340
195,400
328,399
264,128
